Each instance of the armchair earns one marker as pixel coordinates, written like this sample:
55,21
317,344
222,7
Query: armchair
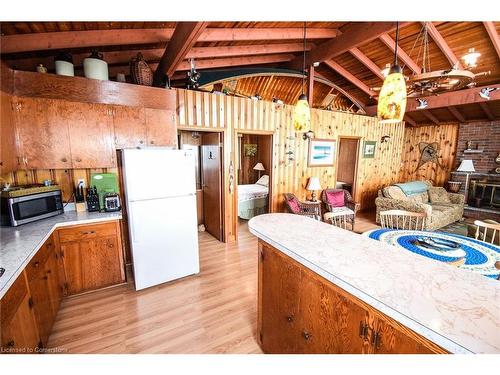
345,207
295,206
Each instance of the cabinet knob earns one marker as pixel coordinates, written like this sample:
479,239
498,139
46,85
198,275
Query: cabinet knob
306,335
11,344
49,272
36,264
78,160
64,160
152,142
141,142
289,318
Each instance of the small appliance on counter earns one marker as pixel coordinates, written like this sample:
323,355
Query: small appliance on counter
111,202
79,199
92,199
27,203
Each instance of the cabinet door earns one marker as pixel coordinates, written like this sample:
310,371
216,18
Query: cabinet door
280,320
54,283
101,263
91,134
161,127
43,134
72,261
8,147
42,305
129,126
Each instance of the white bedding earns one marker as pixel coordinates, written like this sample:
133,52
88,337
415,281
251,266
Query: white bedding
252,191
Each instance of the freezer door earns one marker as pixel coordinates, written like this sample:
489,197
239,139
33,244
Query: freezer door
158,173
163,239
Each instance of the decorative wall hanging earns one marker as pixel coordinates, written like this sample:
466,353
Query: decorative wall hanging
250,149
369,148
428,153
321,153
140,72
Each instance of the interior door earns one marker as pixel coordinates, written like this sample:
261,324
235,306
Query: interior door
348,159
211,156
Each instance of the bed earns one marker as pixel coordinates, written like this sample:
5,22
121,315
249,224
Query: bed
253,198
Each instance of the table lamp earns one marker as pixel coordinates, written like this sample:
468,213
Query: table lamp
468,167
313,185
259,167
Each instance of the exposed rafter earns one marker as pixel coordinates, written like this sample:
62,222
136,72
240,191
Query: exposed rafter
457,114
443,46
184,37
98,38
354,35
310,85
367,62
487,110
492,32
410,120
350,77
430,116
402,55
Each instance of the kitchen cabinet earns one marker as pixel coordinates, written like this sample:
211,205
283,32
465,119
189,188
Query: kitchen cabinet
92,256
129,127
43,134
161,127
301,312
8,146
19,333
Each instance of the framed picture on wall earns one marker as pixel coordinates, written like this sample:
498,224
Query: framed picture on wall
321,153
369,149
250,149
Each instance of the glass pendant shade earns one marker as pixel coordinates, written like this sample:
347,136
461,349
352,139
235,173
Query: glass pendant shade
392,99
302,114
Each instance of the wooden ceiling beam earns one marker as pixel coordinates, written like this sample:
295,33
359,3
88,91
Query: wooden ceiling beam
350,77
402,55
457,114
356,34
367,62
487,110
430,116
98,38
186,34
410,120
492,32
442,45
449,99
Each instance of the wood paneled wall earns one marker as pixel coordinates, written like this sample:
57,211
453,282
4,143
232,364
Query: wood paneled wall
447,137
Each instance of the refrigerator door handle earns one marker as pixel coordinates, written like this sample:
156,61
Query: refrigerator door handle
132,228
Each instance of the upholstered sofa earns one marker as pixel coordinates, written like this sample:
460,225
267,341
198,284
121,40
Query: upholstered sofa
442,208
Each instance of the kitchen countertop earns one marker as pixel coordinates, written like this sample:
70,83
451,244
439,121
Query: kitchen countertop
19,244
456,309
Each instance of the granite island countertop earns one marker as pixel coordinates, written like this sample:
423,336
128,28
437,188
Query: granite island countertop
456,309
19,244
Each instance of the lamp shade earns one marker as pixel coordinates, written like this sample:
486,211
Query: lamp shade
259,167
302,114
466,166
392,99
313,184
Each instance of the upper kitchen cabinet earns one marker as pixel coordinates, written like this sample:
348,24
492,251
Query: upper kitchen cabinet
8,150
161,127
90,134
130,127
43,134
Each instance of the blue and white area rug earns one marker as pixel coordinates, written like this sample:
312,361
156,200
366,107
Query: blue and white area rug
479,256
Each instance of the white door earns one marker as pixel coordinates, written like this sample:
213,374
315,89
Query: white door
157,173
164,239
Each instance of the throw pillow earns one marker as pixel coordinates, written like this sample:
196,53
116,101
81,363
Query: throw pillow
394,192
264,180
438,195
335,198
294,205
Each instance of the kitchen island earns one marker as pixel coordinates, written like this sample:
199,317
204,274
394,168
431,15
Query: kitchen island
323,289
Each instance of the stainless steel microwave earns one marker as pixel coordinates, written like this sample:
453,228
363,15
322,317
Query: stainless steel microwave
22,209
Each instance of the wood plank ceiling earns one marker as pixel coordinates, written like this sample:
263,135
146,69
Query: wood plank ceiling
349,66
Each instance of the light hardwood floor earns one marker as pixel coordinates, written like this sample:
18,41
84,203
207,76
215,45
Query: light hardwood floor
213,312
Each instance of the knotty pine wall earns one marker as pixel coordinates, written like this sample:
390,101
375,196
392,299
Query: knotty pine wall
447,137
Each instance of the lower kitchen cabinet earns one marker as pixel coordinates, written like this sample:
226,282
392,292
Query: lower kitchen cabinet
301,312
18,328
92,256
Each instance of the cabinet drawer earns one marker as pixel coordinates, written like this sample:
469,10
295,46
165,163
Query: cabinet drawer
13,298
37,263
86,232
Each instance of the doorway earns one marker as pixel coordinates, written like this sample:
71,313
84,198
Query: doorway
347,167
254,176
208,148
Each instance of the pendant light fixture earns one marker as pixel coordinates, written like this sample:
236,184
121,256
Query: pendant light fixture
302,113
392,99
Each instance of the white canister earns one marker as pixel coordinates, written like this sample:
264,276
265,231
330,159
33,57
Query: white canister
95,67
64,68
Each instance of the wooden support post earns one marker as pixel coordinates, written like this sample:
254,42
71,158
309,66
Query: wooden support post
310,86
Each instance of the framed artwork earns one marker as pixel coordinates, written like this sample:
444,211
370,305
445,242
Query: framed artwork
369,149
321,153
250,149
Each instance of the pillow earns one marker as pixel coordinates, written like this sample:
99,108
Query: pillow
264,180
335,198
294,205
438,195
394,192
420,197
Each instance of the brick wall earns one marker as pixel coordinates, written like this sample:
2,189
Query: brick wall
485,134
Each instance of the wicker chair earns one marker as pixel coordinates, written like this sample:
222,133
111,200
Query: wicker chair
295,206
346,213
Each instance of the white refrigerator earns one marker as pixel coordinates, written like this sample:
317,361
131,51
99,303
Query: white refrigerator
160,195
